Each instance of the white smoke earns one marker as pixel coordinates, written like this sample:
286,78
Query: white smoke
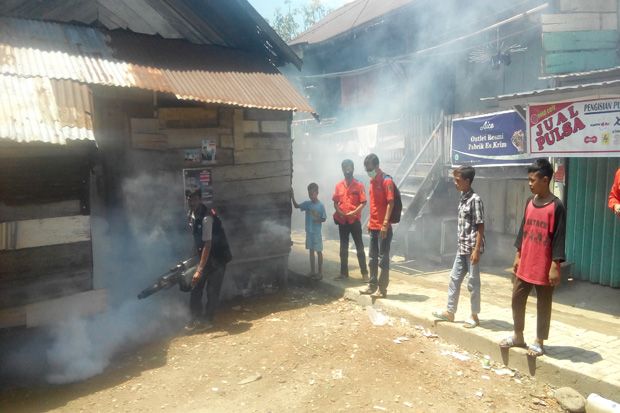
127,260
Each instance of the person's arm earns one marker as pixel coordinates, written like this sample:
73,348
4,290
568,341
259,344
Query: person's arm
386,219
338,210
323,216
295,204
389,193
558,254
207,230
519,241
614,195
475,254
358,209
479,221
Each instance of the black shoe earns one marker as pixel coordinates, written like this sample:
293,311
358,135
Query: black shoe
369,290
341,277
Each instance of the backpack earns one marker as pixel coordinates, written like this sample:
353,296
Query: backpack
398,203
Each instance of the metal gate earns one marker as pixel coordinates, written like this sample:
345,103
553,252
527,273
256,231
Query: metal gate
592,230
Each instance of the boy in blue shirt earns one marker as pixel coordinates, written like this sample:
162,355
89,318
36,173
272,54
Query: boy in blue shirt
315,216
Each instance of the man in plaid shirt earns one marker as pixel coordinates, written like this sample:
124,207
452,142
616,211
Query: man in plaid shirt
470,247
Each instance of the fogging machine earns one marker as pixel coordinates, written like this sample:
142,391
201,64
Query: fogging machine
181,274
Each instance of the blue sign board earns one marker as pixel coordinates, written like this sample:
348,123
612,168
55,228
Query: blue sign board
497,139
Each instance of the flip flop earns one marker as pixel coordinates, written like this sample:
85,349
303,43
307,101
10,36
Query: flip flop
442,316
509,342
535,350
471,323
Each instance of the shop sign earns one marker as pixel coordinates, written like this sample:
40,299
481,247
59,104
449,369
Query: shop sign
496,139
587,128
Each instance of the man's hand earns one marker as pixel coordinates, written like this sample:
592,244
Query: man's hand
384,230
475,257
515,264
617,210
554,274
196,277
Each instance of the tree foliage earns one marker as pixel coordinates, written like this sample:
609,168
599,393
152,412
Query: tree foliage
291,21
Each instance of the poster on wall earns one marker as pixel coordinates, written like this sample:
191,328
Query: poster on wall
208,150
198,178
496,139
193,156
586,128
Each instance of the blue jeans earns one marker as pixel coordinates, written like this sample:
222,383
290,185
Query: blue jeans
462,266
379,257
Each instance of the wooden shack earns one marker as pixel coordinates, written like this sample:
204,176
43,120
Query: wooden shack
121,98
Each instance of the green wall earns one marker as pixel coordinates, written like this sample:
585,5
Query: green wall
593,232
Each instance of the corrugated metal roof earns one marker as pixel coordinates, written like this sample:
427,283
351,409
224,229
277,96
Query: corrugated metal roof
44,110
86,55
229,23
348,17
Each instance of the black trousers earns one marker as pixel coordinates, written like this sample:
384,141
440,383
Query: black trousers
212,277
355,229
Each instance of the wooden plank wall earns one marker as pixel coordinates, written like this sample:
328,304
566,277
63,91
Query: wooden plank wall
251,179
45,243
582,37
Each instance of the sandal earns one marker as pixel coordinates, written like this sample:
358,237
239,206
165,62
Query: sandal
509,342
443,316
471,323
535,350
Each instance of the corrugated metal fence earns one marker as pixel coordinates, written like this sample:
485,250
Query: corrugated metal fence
593,232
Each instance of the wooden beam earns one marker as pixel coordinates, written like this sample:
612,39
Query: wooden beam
46,210
602,6
152,141
238,132
38,262
251,171
249,188
581,61
41,232
18,292
584,40
262,155
262,142
570,22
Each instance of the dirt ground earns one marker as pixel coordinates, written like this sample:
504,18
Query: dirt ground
299,351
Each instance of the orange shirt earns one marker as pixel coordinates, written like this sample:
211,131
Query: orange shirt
348,197
381,192
614,194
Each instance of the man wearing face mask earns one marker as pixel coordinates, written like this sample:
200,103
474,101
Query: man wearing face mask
349,200
381,193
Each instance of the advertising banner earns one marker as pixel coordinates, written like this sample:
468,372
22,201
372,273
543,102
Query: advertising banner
587,128
496,139
199,178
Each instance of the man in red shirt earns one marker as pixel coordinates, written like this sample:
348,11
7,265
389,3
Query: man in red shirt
614,195
349,200
540,252
381,193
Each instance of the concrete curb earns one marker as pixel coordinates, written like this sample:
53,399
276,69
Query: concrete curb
543,368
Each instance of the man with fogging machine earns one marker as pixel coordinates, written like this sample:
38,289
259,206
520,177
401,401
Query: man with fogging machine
212,247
